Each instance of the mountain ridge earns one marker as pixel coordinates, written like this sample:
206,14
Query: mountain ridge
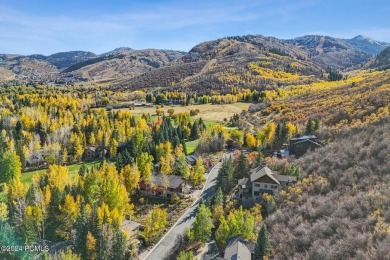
126,64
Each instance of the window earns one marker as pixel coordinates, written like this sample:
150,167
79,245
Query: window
257,185
257,193
265,186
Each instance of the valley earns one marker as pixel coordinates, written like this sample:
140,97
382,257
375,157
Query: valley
276,147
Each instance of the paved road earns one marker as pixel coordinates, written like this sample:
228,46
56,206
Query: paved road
166,245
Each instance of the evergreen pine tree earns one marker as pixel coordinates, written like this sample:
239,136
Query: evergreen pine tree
52,221
277,137
283,134
218,197
259,158
263,246
226,176
81,232
195,131
309,127
242,168
41,132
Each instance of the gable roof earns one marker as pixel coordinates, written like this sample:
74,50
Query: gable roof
308,140
259,172
303,137
174,181
245,183
238,248
191,158
285,178
91,147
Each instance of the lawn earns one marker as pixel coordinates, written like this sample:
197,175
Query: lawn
73,169
191,146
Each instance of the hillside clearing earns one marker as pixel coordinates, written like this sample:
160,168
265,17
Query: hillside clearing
208,112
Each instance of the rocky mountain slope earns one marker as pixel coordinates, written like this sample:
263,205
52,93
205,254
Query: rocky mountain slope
367,44
381,61
27,68
249,61
119,65
253,61
65,59
332,52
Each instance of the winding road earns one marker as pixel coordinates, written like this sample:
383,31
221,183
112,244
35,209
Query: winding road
167,244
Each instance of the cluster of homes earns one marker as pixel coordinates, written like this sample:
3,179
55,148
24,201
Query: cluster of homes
264,180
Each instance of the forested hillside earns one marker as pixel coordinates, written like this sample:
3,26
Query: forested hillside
359,100
341,209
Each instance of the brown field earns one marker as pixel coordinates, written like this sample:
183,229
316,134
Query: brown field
208,112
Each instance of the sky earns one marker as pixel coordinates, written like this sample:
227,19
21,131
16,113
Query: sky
47,27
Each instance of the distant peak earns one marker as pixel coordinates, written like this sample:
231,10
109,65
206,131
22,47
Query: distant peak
123,49
119,50
362,37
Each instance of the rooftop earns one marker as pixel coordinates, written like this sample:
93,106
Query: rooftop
238,248
191,158
262,171
277,178
304,137
129,226
245,183
161,180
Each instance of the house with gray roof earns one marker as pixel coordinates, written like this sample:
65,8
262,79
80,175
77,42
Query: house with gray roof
130,227
191,159
262,180
237,248
163,185
301,144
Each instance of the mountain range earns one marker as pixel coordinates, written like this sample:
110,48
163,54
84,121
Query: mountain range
246,61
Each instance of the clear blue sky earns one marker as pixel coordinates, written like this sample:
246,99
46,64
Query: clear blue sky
46,27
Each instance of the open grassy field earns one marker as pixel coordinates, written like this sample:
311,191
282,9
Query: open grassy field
191,146
208,112
73,169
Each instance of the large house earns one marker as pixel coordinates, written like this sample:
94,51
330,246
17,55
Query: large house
35,160
93,152
262,180
163,185
238,248
301,144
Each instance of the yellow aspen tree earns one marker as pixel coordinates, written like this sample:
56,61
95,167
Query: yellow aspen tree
131,177
91,246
